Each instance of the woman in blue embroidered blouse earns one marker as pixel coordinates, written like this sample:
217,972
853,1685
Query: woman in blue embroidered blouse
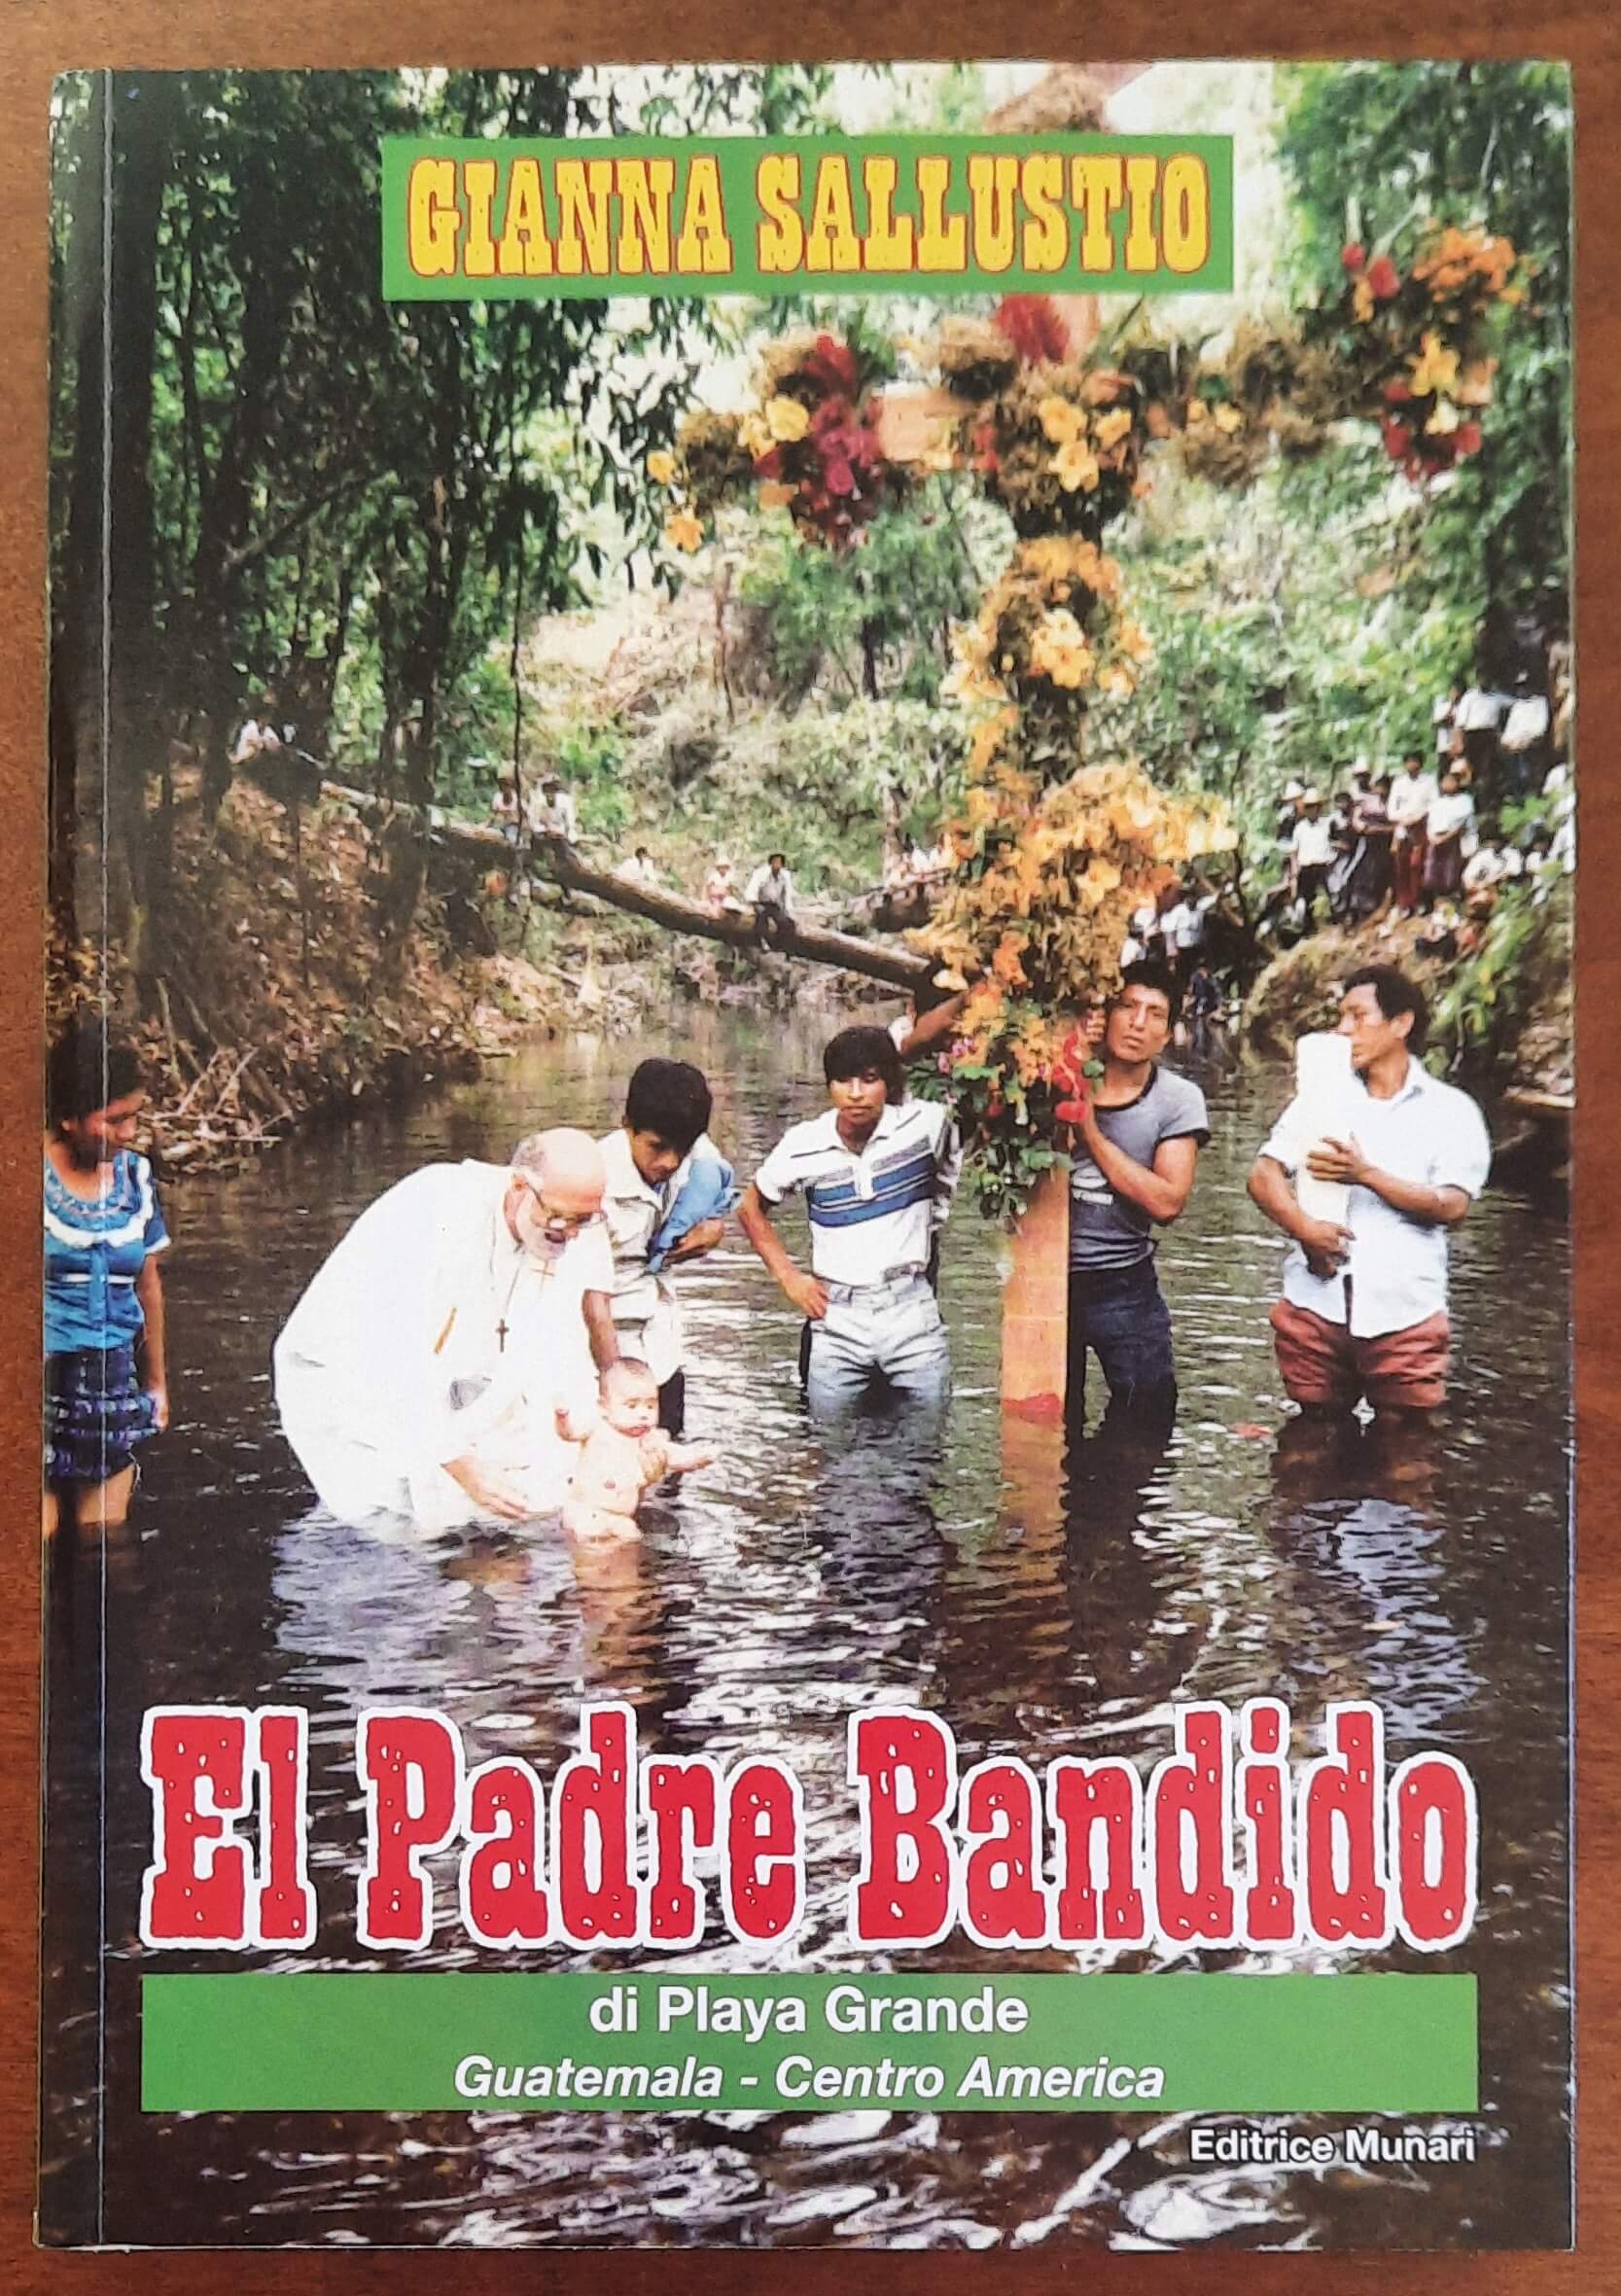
103,1296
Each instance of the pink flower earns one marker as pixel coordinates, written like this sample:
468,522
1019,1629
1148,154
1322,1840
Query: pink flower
1353,258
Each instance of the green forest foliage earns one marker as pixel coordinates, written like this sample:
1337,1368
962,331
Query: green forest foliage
371,504
306,484
1370,151
1314,619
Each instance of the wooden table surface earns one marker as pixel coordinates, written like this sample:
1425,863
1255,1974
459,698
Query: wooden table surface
44,36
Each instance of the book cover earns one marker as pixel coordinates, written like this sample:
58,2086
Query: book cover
807,1368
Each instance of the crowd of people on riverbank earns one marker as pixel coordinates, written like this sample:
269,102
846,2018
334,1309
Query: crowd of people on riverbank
502,1342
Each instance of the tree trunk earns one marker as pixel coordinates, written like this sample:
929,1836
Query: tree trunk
138,743
817,944
76,724
105,728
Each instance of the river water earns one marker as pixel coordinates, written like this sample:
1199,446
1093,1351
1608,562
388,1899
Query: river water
788,1584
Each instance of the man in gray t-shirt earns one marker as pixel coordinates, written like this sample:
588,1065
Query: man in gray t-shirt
1134,1155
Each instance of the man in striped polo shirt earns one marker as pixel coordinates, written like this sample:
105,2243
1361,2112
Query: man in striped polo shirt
878,1171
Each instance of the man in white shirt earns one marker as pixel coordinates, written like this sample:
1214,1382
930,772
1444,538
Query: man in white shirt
1311,850
1183,927
420,1373
878,1172
1413,792
769,893
1364,1305
637,869
1477,717
646,1157
1449,833
257,733
552,812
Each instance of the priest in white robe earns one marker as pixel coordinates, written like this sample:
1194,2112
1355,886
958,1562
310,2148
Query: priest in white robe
421,1374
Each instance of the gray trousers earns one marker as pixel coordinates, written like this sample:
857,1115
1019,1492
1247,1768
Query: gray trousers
877,1338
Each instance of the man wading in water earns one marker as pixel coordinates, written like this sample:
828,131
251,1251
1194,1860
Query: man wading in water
1134,1157
878,1171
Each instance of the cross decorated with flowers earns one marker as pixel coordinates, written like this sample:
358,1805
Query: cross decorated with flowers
1055,847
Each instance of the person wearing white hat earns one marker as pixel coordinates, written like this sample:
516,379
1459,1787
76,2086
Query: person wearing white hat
1289,813
1311,850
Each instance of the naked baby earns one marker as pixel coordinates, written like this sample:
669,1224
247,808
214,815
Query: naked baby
622,1452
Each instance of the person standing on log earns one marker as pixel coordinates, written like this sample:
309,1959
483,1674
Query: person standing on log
552,812
769,893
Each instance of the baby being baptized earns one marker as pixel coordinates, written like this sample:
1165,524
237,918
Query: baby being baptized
622,1451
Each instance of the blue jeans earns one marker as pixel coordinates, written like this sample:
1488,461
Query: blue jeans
1119,1314
878,1337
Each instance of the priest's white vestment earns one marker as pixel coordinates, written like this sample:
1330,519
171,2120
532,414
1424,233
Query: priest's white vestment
429,1334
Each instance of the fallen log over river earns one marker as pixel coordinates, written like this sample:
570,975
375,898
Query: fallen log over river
562,865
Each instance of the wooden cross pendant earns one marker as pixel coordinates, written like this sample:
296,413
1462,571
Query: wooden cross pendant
501,1334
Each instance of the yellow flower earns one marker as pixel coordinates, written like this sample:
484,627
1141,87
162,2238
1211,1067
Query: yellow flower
756,435
1005,964
1061,420
1059,649
1114,678
1228,419
1435,370
1075,465
684,531
785,418
1112,427
1361,300
1196,410
661,465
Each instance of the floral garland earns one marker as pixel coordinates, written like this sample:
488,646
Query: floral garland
1047,876
811,448
1052,855
1431,393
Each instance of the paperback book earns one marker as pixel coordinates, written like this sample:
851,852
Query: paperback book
808,1365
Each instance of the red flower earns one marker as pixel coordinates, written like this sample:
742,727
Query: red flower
833,366
1353,258
1466,437
769,464
1398,393
1397,437
1384,279
1032,324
